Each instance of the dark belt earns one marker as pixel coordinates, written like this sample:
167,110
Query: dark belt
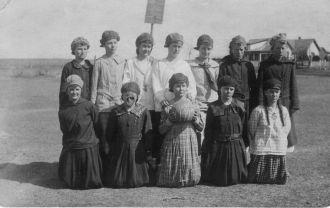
228,138
136,137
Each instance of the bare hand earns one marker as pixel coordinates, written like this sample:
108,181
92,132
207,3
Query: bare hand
164,103
196,117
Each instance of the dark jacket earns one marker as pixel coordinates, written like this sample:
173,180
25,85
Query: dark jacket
244,74
85,73
77,123
285,72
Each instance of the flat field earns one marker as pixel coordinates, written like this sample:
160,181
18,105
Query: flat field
30,145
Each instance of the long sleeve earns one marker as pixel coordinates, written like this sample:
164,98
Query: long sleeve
62,91
294,99
95,80
253,86
287,121
147,131
163,126
127,74
208,131
253,124
157,88
94,114
260,85
192,82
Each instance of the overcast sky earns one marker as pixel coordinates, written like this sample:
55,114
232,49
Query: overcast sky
45,28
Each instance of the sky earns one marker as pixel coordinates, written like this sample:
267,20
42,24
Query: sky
46,28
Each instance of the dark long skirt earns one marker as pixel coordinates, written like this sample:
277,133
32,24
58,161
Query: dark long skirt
226,164
81,168
268,169
127,166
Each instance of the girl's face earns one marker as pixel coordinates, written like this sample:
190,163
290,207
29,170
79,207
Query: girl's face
129,98
237,51
174,49
111,45
74,92
80,52
144,49
227,92
272,95
180,89
204,51
279,50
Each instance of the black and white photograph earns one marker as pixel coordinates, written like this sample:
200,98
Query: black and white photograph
164,103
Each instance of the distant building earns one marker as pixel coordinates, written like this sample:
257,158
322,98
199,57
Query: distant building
305,52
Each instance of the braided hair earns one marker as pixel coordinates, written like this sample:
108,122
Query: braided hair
279,105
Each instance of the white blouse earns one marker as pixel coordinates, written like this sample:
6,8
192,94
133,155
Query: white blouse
139,71
268,138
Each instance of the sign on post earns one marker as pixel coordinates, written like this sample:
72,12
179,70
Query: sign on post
155,11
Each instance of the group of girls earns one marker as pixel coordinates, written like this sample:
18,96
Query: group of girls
172,123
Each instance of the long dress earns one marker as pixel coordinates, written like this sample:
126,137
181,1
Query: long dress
129,141
226,160
180,164
80,164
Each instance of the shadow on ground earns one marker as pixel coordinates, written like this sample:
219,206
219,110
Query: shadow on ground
37,173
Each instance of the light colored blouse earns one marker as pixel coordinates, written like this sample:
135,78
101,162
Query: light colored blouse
269,138
140,72
205,93
106,82
162,72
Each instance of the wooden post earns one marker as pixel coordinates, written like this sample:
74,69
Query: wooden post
151,29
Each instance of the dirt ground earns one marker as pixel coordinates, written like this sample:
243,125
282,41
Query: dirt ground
30,144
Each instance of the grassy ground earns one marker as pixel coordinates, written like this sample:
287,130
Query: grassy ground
30,144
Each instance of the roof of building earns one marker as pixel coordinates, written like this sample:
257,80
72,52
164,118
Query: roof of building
296,45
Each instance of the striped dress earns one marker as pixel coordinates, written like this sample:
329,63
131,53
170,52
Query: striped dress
180,163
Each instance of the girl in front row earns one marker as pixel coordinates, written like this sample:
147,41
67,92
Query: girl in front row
129,139
80,163
223,149
269,127
179,161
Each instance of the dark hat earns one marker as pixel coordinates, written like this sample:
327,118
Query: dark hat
178,78
204,40
130,87
272,84
227,81
144,38
237,40
173,38
279,38
108,35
